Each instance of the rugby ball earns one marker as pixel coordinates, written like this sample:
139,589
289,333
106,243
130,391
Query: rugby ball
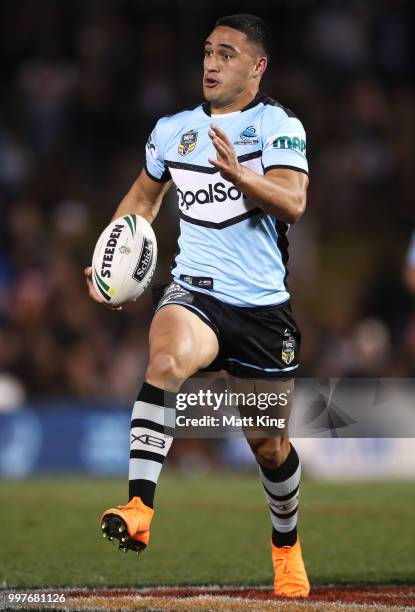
124,259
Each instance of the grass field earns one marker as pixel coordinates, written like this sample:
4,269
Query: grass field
205,531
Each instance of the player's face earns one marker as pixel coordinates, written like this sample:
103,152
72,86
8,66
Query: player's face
232,66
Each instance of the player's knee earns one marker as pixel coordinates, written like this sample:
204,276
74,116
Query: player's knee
270,452
164,368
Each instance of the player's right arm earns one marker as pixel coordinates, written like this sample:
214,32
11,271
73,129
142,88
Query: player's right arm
147,192
144,198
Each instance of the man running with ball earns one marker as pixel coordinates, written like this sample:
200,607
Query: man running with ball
238,162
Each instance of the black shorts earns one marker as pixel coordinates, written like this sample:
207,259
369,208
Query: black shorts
254,342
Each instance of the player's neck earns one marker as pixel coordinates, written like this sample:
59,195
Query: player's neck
234,106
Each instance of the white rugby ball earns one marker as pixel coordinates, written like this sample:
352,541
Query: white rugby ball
124,259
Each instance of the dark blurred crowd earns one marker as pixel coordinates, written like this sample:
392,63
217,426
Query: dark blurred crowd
84,83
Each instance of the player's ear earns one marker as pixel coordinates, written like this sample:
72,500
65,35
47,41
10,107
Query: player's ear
260,67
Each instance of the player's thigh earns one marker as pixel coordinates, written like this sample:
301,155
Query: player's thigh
177,331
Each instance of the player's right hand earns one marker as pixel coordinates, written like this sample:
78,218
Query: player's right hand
91,290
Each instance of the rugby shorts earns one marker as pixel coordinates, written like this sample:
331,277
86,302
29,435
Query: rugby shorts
254,342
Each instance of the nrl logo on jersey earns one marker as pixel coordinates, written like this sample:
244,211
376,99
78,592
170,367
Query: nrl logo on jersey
288,348
187,142
247,136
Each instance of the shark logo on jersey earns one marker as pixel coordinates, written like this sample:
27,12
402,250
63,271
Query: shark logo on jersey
288,350
248,136
187,142
248,132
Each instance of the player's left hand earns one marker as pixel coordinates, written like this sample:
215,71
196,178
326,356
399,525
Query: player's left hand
227,161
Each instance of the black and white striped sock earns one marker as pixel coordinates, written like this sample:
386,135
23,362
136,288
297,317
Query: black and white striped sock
282,492
149,445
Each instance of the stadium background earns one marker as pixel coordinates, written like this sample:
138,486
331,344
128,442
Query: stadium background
83,84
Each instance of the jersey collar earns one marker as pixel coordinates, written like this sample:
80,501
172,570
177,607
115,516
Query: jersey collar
260,97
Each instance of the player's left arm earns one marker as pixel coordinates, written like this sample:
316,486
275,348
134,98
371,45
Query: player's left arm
281,192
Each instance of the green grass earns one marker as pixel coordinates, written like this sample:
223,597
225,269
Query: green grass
208,530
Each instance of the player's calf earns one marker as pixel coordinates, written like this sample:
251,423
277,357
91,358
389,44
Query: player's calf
280,473
149,446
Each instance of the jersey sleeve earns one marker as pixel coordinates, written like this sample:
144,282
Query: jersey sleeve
154,161
284,141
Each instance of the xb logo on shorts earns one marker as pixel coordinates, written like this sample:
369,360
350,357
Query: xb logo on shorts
288,348
187,142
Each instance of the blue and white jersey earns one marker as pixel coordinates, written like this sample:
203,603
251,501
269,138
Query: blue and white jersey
228,247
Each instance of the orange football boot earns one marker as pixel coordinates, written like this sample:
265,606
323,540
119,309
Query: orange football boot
129,524
290,574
